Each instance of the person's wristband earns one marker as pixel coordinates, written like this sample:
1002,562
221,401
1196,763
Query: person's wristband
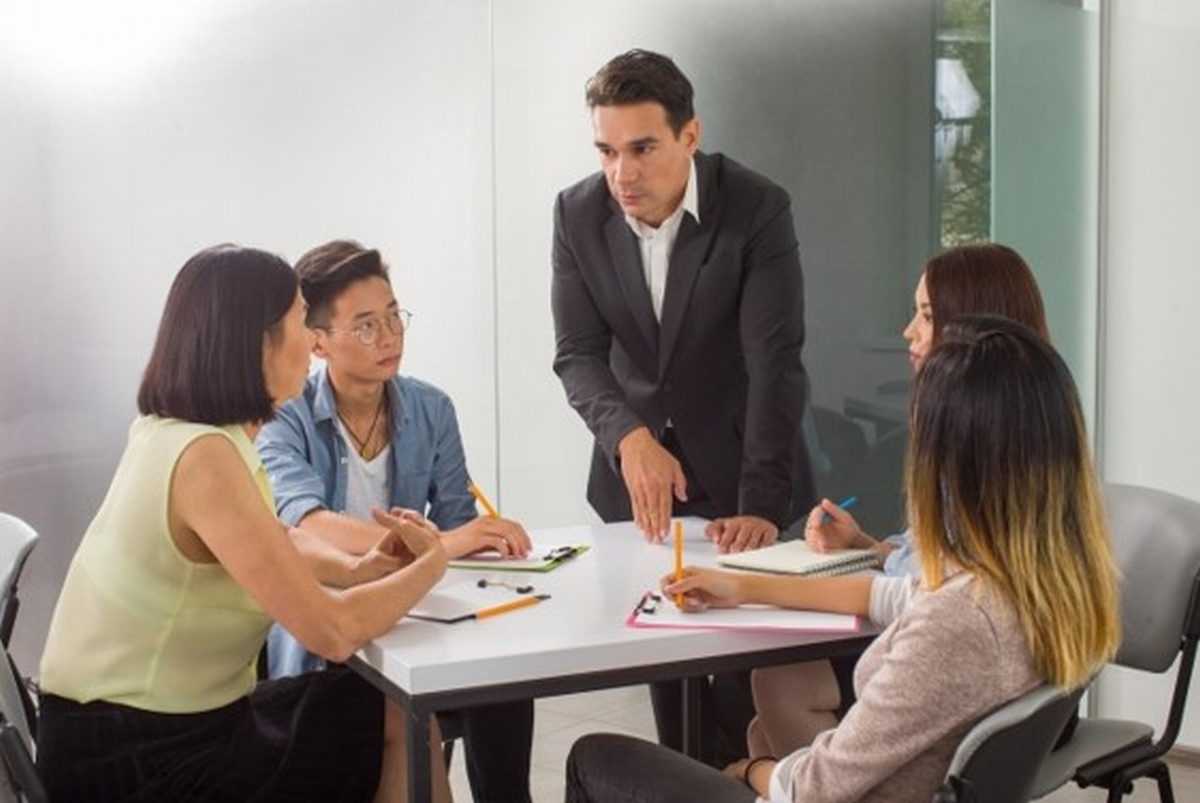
750,765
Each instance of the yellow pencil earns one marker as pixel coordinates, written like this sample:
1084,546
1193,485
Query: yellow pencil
678,559
505,607
481,499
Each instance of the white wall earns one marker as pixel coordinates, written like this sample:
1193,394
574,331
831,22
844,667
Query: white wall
133,133
1150,368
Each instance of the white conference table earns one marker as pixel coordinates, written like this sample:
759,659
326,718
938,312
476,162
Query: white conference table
575,641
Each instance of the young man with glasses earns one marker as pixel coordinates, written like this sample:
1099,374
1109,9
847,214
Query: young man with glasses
363,436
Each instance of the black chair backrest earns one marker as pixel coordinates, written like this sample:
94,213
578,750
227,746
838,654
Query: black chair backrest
998,760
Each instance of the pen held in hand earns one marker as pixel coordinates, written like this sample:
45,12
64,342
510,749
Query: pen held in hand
481,499
844,504
505,607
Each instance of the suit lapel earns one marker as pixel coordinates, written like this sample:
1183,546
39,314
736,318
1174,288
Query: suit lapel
687,258
627,260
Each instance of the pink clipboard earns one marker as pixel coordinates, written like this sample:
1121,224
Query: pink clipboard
655,610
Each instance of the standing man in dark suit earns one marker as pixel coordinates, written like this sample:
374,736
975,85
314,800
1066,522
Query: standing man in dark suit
679,315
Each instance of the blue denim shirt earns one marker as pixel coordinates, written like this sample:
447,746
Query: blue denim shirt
306,456
306,460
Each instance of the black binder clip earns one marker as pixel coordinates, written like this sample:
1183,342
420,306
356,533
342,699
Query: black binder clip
522,588
649,603
561,553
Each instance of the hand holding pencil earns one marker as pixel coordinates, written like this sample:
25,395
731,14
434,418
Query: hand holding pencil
482,500
699,589
490,531
830,527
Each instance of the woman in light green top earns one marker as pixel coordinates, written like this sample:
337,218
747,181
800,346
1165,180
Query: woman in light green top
148,679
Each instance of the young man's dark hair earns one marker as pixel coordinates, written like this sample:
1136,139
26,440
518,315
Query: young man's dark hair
640,76
207,362
328,269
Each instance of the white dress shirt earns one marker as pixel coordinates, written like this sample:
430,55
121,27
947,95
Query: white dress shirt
656,243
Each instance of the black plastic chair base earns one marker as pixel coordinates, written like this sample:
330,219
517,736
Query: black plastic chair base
21,771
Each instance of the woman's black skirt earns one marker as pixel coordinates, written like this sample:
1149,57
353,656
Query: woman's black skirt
315,737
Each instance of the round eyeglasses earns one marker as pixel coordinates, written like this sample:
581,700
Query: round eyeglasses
368,331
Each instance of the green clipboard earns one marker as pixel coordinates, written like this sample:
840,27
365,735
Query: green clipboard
540,560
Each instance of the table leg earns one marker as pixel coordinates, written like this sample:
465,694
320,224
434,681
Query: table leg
692,716
420,781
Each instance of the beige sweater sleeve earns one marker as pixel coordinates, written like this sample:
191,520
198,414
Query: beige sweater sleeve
947,660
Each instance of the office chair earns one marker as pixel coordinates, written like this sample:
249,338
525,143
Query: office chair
1156,538
17,540
19,781
999,759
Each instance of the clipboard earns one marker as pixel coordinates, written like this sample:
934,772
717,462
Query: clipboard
541,559
655,609
465,600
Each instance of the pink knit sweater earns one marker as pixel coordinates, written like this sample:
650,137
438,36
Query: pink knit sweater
949,657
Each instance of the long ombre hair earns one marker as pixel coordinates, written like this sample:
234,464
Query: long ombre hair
1000,483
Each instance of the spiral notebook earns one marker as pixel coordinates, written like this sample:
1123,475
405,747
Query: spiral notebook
797,557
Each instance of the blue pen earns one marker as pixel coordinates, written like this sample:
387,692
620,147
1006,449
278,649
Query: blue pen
845,503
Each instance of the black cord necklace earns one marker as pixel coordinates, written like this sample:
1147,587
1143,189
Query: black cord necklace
363,444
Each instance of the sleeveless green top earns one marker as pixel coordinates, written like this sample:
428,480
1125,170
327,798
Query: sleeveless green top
137,622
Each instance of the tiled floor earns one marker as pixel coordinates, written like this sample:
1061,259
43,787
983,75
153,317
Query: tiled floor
561,720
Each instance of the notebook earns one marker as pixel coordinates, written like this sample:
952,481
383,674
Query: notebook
797,557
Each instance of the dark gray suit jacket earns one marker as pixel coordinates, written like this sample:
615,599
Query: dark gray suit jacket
724,365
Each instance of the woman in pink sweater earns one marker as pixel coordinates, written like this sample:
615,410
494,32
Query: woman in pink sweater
1018,587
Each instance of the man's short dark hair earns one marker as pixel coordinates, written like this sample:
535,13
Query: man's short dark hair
327,270
207,362
641,76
